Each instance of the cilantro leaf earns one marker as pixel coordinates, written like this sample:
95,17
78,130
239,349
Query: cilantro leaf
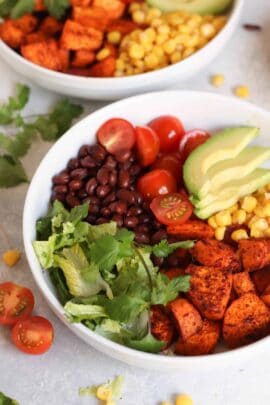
78,213
4,400
11,172
57,8
105,251
147,344
124,308
18,145
6,7
167,290
22,7
164,248
14,104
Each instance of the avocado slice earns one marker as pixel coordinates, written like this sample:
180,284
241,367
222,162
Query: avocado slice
192,6
227,170
231,194
224,145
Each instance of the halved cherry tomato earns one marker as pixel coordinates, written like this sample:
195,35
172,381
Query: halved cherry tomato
33,335
155,183
16,303
191,140
147,145
170,131
116,134
172,163
171,209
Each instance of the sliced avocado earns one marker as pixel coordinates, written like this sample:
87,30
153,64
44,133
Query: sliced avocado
192,6
224,145
230,195
227,170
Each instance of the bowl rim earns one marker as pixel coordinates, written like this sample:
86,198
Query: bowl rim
56,306
78,81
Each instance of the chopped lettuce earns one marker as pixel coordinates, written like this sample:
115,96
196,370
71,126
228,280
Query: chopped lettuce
79,312
58,280
147,344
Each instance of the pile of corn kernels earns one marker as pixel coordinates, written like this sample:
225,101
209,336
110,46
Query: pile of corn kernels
252,212
163,39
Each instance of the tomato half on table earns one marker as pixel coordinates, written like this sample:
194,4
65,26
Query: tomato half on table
170,131
156,183
171,209
191,140
147,145
33,335
116,134
16,303
172,163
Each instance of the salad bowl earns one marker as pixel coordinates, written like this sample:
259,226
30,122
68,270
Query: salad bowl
202,110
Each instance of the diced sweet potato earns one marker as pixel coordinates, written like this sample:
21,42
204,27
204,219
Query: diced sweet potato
183,256
84,72
192,229
114,8
39,5
210,290
255,254
11,35
246,320
202,342
51,26
113,50
64,57
173,272
210,252
105,68
242,283
95,17
265,297
123,26
187,318
34,37
83,58
261,279
80,3
76,37
45,54
26,23
162,327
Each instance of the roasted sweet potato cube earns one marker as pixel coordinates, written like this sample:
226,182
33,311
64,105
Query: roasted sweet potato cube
202,342
242,283
76,37
187,318
123,26
26,23
192,229
210,290
51,26
105,68
211,252
172,273
83,58
162,327
39,5
80,3
45,54
64,56
246,320
11,35
34,37
114,8
84,72
265,297
261,279
94,17
255,254
112,49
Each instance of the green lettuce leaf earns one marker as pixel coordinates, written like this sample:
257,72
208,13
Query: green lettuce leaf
58,280
147,344
78,312
96,231
45,252
4,400
22,7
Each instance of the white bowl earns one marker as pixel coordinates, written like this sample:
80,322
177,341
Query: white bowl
114,88
200,110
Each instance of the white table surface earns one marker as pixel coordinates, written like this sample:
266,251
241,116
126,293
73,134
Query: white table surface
55,377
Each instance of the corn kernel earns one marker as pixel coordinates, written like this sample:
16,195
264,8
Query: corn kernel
152,13
261,224
267,209
219,22
103,393
151,61
103,54
260,211
208,30
194,20
119,73
187,52
11,257
220,232
249,203
183,399
110,402
239,234
136,51
160,39
169,46
250,221
120,64
156,22
150,34
138,63
184,29
158,51
223,218
256,233
233,208
212,222
176,57
192,41
242,91
164,29
217,80
267,233
267,188
114,37
134,7
239,217
138,16
165,403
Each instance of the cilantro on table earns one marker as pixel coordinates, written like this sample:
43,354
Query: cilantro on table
19,131
104,279
17,8
4,400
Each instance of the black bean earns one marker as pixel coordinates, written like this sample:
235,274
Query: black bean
156,224
73,164
172,260
102,191
144,219
109,199
83,151
158,261
91,186
110,162
91,218
113,178
103,176
60,189
126,195
61,178
118,207
123,155
75,184
59,197
79,174
101,220
123,179
159,235
93,209
134,211
126,165
138,197
118,219
135,170
72,201
142,229
142,238
88,162
131,222
105,212
94,200
146,205
97,152
82,193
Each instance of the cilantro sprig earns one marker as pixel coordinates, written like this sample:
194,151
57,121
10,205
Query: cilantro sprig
17,8
18,132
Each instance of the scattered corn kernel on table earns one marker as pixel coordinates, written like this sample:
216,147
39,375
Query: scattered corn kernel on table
56,377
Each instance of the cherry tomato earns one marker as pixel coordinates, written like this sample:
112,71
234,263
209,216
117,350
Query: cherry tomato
191,140
171,209
16,303
170,131
155,183
171,163
116,134
147,145
33,335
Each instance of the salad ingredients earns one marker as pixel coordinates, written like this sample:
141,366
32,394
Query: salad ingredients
16,303
33,335
11,257
170,131
171,163
4,400
147,145
242,91
217,80
116,135
193,6
171,209
109,392
191,140
156,183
